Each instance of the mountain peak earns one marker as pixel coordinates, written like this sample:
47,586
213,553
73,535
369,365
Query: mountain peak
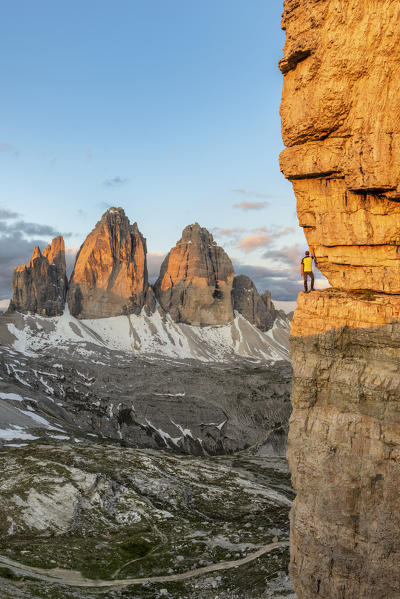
110,275
195,281
36,254
41,285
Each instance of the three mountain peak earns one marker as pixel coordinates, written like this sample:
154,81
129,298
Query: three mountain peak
196,284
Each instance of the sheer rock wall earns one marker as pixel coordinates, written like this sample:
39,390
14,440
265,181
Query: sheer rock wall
341,125
195,280
110,274
257,309
41,285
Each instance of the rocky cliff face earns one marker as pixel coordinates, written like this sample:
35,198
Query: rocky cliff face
257,309
341,125
110,279
195,281
40,286
110,273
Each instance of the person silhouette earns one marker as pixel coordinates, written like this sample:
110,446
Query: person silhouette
307,270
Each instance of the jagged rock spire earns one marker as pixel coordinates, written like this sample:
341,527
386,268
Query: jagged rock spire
257,309
195,281
41,285
110,275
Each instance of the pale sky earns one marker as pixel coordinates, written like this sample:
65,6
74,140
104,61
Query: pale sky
168,108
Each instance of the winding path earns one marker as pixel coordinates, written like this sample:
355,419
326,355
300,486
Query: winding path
73,578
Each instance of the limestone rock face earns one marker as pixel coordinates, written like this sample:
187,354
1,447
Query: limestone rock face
341,125
195,281
110,274
257,309
40,286
344,445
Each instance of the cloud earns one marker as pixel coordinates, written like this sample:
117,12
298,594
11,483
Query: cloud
29,229
253,238
290,255
228,232
6,147
115,182
7,214
262,237
70,257
154,261
251,205
249,243
253,194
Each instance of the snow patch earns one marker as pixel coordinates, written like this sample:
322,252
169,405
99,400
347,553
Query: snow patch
155,335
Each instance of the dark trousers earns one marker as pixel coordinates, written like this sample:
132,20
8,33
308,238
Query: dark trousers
311,275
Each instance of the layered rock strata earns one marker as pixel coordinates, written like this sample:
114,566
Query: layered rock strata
110,274
40,286
341,126
257,309
195,281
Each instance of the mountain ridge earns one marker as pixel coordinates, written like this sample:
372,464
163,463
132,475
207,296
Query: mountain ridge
196,285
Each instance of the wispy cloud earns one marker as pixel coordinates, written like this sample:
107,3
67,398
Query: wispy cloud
70,257
7,214
249,240
154,261
262,237
251,205
249,243
253,194
6,147
290,255
115,182
29,229
234,231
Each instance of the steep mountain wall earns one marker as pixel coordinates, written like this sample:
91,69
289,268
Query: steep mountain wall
195,281
110,274
257,309
341,125
41,285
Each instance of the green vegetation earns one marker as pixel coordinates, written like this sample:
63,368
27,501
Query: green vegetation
137,513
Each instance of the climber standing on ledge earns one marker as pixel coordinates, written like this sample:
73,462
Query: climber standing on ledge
306,269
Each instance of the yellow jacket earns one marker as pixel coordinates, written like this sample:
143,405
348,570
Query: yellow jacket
307,263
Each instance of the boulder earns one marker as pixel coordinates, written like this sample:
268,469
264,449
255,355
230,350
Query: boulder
110,274
195,280
40,286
